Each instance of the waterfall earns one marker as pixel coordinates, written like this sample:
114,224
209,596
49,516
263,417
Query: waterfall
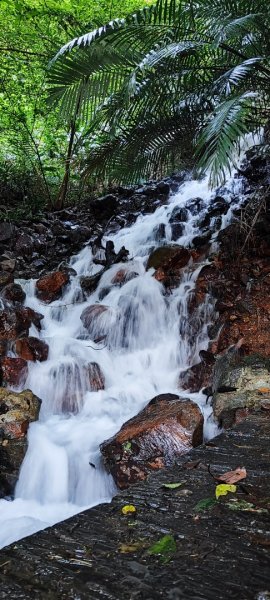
148,341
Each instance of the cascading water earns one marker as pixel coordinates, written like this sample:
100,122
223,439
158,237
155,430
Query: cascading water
149,340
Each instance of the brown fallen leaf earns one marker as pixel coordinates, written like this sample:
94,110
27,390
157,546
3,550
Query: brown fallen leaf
233,476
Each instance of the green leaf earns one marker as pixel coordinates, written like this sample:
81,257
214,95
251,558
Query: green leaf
205,504
172,486
245,506
127,446
165,548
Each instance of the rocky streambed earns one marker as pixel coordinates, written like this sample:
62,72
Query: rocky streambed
203,303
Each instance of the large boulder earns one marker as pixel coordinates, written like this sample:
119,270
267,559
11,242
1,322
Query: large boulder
94,319
50,287
168,261
14,371
17,411
31,348
240,384
166,428
16,322
105,207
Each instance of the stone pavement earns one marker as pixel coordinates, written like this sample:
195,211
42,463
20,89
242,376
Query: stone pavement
215,553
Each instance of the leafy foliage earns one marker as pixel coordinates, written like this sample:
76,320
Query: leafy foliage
168,77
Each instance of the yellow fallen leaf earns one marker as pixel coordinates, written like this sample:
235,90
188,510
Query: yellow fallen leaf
128,509
223,488
129,548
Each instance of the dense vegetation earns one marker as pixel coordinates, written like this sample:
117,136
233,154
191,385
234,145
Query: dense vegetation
176,83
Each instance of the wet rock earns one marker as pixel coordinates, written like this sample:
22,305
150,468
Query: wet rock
11,325
24,244
167,257
14,371
94,319
196,377
96,377
179,214
105,207
5,278
16,322
168,262
89,283
239,383
34,317
218,206
66,268
176,231
159,232
201,240
79,235
7,264
50,287
123,276
7,231
31,348
14,293
17,411
195,205
168,427
163,188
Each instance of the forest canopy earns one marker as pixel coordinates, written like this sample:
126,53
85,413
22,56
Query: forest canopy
108,92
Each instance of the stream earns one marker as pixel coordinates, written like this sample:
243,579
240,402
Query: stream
62,473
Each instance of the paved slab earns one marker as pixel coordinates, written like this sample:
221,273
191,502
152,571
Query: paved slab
218,554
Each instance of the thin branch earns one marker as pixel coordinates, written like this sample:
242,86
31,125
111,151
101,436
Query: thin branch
28,52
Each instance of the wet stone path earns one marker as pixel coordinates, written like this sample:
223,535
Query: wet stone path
217,550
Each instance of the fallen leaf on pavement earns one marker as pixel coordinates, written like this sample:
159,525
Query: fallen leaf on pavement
172,486
165,548
128,509
205,504
223,489
233,476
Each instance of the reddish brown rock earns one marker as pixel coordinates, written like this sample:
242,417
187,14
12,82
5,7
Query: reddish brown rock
14,293
14,371
31,348
195,378
94,320
122,276
33,316
168,261
96,377
16,322
17,411
168,427
50,287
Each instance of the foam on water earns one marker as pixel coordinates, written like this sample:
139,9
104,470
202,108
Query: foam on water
149,341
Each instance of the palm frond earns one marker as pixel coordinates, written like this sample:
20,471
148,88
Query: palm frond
219,141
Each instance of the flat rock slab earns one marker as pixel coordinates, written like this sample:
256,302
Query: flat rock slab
219,553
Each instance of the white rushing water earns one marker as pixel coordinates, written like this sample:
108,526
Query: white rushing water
150,340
